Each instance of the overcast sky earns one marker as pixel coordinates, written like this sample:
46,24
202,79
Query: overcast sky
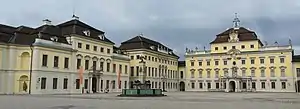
176,23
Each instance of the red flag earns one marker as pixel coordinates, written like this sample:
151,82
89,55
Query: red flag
119,79
80,75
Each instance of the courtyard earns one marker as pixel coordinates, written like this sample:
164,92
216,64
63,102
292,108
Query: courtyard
174,100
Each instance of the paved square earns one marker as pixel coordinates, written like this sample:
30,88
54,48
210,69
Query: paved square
174,100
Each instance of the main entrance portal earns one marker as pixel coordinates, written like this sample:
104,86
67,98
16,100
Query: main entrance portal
182,86
232,86
94,84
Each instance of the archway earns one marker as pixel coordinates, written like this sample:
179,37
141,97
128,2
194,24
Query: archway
23,83
297,85
231,86
182,86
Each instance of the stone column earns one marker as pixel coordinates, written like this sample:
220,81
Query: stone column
90,85
227,86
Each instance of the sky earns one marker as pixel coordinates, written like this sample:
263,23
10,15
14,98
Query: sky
175,23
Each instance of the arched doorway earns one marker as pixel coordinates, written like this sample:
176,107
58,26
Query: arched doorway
182,86
297,85
23,83
232,86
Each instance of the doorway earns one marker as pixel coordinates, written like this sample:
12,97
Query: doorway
182,86
232,86
297,85
94,84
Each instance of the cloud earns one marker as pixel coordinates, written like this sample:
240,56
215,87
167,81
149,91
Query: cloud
179,24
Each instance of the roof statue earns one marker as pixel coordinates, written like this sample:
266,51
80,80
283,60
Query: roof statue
236,22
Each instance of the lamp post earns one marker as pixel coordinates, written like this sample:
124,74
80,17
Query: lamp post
30,72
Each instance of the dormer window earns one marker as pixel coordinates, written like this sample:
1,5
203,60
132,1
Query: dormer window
152,47
54,39
87,33
101,36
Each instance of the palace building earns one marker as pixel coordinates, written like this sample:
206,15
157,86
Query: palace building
239,62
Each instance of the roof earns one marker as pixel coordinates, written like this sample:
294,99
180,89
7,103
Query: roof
243,35
6,32
181,63
77,27
296,58
140,42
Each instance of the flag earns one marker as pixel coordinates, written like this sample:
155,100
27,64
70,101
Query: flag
80,72
119,79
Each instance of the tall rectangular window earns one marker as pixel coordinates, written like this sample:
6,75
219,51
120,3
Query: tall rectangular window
149,71
253,85
225,62
243,62
216,62
153,72
137,70
86,64
272,61
273,85
108,51
95,48
253,73
113,82
120,84
208,63
243,73
79,45
65,84
94,65
192,63
107,84
208,74
298,72
272,71
101,66
114,68
43,83
282,72
200,63
66,65
193,85
262,71
263,85
126,69
120,68
192,74
108,67
200,73
217,85
283,85
125,85
55,64
131,71
252,61
45,60
209,85
87,46
77,83
54,85
281,60
101,49
78,63
201,85
262,61
86,83
217,74
181,74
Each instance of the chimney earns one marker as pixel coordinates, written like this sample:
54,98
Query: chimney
47,22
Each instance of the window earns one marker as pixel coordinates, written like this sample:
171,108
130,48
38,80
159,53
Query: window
149,71
243,62
273,85
120,68
244,85
253,73
192,63
114,68
101,66
225,48
217,86
281,60
153,59
298,72
181,74
251,46
131,71
208,74
225,62
66,63
193,85
126,69
132,57
282,72
78,63
201,85
200,73
262,73
216,48
153,72
272,61
226,73
252,61
54,85
283,85
243,73
263,85
120,84
253,85
65,85
125,85
113,82
55,64
44,60
217,74
86,64
208,85
108,51
102,49
262,61
200,63
108,67
243,46
137,70
137,56
272,72
208,63
79,45
233,47
87,46
192,74
152,85
86,83
95,48
216,62
107,84
77,83
43,83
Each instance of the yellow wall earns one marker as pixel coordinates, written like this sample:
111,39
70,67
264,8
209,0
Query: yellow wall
238,45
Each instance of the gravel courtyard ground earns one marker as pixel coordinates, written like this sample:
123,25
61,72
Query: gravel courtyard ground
174,100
